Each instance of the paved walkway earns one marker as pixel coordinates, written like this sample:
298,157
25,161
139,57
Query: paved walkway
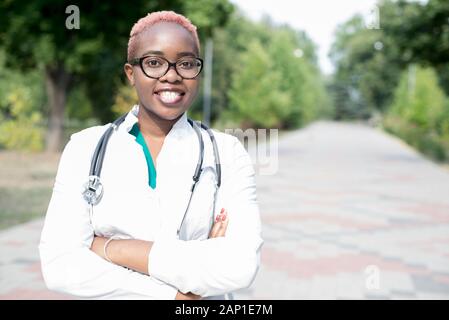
352,213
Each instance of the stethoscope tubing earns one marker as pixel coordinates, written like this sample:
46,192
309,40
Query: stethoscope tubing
93,191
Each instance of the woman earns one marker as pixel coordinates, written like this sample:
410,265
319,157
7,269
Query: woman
130,244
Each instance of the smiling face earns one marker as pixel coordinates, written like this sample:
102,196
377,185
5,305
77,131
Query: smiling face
169,96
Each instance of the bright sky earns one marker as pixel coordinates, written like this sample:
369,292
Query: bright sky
319,18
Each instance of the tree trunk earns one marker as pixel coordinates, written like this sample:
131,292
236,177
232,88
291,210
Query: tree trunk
57,81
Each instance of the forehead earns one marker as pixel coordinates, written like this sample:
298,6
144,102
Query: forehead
167,37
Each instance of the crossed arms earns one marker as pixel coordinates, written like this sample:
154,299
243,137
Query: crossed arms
133,254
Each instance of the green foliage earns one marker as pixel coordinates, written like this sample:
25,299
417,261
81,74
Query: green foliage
21,104
256,96
299,77
420,33
208,15
43,22
79,106
34,36
420,112
260,80
257,79
420,30
366,70
228,43
410,31
369,64
22,134
418,98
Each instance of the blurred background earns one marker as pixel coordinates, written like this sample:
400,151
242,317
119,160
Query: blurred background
358,89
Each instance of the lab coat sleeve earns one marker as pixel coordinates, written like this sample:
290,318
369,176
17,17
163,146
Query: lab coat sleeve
68,264
219,265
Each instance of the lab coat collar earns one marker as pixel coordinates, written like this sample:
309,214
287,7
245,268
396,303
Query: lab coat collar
178,128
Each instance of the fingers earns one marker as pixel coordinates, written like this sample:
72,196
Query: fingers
223,225
216,226
220,225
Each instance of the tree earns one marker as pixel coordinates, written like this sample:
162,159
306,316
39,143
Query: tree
35,35
369,61
420,31
21,101
367,69
207,15
293,55
255,95
230,40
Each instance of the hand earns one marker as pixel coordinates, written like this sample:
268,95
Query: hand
218,230
186,296
220,225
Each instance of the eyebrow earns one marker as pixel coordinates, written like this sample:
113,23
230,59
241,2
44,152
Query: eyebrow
161,53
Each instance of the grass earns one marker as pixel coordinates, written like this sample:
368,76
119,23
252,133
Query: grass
19,206
26,183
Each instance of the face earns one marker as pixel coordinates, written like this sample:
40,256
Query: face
169,96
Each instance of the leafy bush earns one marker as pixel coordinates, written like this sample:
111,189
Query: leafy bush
21,109
255,94
275,80
419,113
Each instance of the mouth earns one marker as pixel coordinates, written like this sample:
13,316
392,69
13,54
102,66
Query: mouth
169,96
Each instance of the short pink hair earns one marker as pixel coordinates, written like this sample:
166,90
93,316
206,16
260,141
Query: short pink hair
156,17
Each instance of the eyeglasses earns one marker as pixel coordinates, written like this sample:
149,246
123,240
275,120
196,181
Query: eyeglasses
156,67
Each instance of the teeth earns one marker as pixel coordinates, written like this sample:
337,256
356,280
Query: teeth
168,96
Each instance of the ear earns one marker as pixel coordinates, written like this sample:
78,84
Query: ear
129,73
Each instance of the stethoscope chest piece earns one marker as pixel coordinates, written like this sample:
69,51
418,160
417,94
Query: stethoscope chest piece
93,190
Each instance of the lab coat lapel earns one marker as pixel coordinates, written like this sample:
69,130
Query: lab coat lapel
176,165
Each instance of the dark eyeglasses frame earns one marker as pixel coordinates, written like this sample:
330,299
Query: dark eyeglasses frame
139,62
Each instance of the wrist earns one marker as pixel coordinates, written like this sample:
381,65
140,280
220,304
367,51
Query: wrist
109,248
97,245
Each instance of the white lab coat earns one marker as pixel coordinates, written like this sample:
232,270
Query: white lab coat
130,208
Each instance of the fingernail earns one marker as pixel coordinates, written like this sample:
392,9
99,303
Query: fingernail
223,218
222,209
217,218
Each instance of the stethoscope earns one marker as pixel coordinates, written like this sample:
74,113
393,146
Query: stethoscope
93,189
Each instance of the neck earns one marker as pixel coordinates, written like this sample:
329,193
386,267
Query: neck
152,125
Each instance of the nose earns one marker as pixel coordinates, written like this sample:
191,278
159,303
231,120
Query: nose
171,75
